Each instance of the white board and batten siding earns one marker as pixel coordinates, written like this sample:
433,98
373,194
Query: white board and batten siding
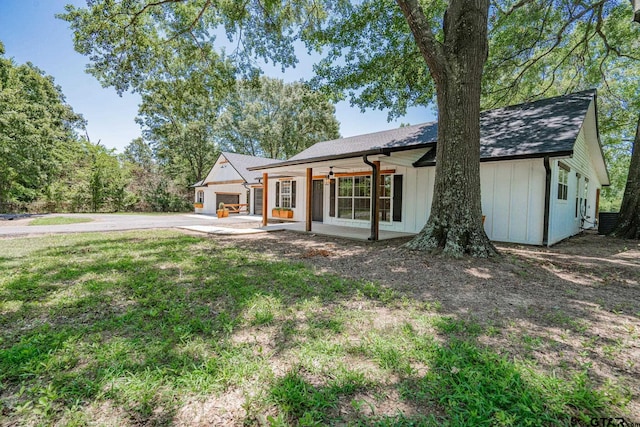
225,179
512,200
563,221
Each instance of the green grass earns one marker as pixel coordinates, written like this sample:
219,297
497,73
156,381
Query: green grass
130,327
59,220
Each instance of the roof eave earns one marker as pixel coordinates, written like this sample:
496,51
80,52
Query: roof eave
384,151
567,153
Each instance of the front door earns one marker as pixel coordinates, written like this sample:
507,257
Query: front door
257,201
317,211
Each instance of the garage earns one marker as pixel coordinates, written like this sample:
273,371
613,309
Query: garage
227,198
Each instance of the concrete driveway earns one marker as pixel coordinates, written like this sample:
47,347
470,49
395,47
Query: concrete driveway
114,222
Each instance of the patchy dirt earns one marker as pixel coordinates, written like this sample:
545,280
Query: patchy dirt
576,304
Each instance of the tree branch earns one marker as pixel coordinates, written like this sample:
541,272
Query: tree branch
431,49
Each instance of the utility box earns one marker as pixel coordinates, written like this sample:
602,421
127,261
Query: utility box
606,222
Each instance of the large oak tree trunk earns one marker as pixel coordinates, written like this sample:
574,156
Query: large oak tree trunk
455,224
628,225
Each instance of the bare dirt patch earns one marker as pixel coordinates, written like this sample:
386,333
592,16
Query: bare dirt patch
575,305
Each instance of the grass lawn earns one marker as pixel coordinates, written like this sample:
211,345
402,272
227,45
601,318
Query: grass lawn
59,220
164,328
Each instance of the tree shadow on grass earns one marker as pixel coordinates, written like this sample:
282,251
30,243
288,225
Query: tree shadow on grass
143,322
138,321
466,384
571,311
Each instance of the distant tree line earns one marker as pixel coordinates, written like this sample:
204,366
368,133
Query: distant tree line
49,164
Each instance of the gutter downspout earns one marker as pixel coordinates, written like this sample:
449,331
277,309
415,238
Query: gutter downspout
249,204
547,201
374,196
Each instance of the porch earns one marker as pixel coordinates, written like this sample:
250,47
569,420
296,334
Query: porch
354,233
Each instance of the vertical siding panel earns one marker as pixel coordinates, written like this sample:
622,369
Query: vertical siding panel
487,178
536,203
410,208
502,202
518,202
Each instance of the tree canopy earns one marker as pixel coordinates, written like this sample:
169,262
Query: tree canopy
37,131
270,118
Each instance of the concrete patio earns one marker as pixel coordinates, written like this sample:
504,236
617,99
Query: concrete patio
251,224
355,233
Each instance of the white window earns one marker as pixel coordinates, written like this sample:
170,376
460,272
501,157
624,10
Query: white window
386,184
563,183
354,197
285,194
200,196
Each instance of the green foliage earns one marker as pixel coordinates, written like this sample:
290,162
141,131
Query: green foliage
370,55
94,179
179,114
164,197
37,131
597,51
151,189
270,118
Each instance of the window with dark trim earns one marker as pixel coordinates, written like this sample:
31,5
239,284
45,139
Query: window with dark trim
385,194
354,197
286,194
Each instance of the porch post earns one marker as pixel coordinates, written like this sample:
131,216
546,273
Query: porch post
308,204
376,193
265,198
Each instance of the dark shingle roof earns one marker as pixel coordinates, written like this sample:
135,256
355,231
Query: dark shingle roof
241,163
393,140
531,129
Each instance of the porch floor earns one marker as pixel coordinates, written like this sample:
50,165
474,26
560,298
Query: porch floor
355,233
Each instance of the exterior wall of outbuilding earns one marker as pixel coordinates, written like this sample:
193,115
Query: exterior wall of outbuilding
210,206
221,179
569,217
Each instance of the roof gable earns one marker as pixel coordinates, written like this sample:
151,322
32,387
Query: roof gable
535,128
242,162
232,166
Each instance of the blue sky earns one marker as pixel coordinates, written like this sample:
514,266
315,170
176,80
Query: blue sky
30,32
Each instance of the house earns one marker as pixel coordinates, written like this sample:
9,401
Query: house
230,181
542,169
